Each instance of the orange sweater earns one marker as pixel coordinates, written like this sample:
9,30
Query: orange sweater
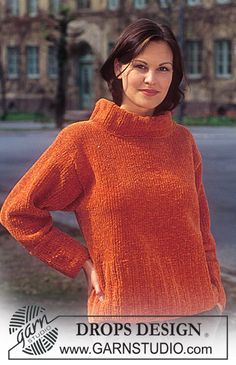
135,185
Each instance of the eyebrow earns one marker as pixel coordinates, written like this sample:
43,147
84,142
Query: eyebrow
163,63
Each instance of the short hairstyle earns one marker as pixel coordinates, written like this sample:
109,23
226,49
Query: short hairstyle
130,43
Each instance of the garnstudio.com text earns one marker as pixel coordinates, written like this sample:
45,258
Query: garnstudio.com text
135,348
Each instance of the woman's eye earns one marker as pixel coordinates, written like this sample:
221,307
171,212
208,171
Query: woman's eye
144,68
163,68
140,67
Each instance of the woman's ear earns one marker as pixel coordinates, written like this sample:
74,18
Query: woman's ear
117,68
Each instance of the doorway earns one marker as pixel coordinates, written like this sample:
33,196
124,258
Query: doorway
85,64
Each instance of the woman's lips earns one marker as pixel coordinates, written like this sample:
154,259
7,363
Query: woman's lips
149,92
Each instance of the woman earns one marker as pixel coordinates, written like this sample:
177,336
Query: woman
133,177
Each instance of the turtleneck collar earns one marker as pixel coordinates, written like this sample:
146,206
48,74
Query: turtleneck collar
118,121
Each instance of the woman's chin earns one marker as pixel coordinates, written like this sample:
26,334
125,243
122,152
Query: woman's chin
147,108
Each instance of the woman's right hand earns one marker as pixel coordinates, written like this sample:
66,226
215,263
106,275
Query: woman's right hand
92,279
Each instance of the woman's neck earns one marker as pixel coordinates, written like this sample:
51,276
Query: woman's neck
137,110
119,121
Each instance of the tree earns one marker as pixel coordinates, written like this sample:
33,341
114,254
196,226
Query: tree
181,39
58,36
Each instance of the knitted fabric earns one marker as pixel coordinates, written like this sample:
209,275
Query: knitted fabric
135,185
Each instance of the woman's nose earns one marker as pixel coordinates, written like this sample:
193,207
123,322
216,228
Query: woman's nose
150,78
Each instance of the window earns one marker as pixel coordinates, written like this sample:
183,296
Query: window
52,62
12,62
13,7
113,4
222,55
193,2
83,4
54,6
32,7
165,3
140,4
194,58
32,59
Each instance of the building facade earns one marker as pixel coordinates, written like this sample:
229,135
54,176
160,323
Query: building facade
205,28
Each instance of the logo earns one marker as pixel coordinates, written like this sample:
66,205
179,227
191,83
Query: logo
34,332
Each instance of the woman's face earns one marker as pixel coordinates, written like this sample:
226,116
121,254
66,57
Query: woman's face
147,79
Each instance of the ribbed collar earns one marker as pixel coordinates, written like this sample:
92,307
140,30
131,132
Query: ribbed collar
110,116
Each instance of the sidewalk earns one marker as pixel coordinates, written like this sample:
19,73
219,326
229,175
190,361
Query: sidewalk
20,125
70,117
25,125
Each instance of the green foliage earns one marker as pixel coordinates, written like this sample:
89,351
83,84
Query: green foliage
65,9
17,116
210,121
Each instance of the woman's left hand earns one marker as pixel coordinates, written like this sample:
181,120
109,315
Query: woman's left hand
220,307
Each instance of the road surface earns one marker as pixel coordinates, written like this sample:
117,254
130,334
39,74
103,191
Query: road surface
19,149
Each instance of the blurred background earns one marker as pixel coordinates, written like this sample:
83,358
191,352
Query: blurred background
51,52
50,55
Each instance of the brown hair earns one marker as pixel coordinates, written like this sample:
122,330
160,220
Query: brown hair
129,44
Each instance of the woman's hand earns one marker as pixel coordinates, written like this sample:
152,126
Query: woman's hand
220,307
92,279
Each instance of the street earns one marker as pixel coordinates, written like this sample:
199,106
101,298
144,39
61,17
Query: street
19,149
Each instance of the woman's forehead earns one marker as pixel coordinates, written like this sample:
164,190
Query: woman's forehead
159,52
157,47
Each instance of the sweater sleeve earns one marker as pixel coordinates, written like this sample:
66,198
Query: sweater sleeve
50,184
205,225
